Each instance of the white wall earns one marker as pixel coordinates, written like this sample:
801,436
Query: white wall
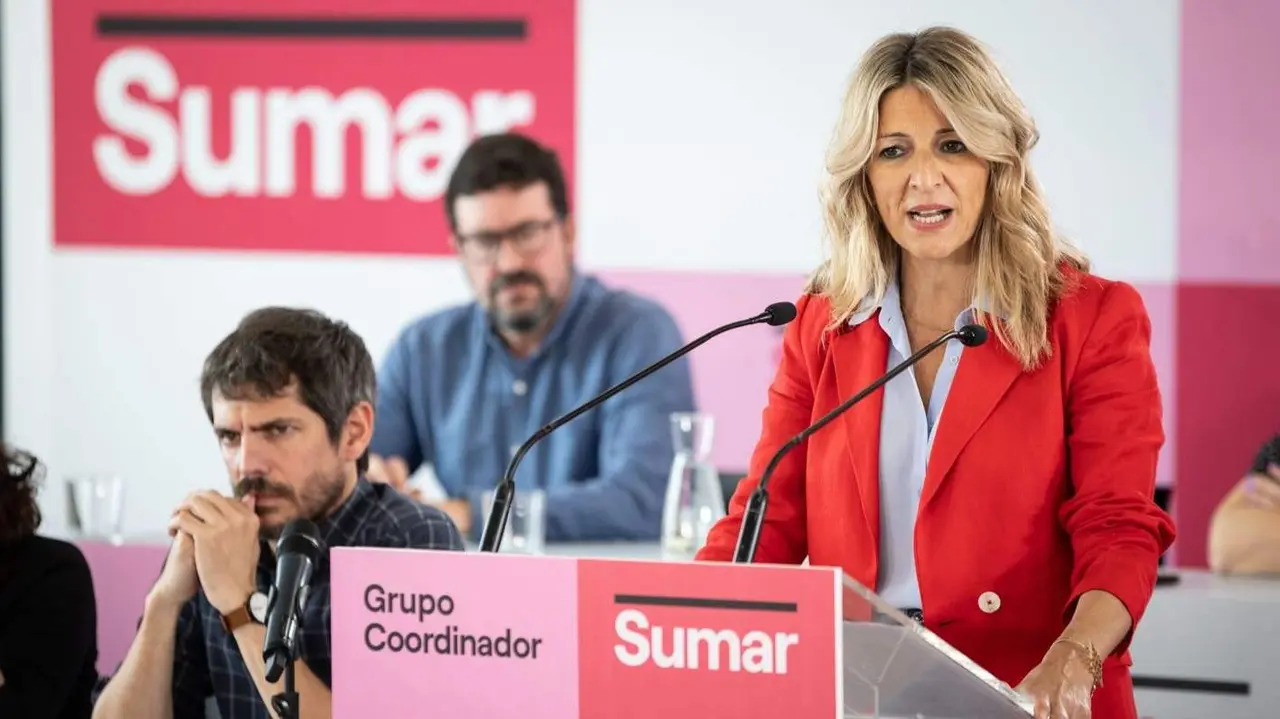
700,136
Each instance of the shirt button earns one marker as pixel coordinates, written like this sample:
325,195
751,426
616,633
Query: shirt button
989,602
519,387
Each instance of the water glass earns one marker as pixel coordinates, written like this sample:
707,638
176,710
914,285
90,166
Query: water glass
95,507
527,526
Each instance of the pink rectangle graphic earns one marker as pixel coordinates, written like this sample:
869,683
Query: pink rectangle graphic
1229,101
122,576
453,634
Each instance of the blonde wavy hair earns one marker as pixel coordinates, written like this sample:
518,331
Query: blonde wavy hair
1020,260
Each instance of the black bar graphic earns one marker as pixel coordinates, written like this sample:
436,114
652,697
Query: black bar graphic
1195,686
698,603
416,28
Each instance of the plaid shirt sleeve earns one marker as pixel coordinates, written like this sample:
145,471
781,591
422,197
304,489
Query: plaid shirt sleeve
191,683
434,530
420,526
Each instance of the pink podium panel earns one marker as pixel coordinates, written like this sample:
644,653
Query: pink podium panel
424,633
498,636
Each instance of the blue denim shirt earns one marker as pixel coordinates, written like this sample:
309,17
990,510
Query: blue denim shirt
450,394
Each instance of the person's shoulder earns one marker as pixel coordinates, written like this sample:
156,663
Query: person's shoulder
51,566
622,307
435,327
813,312
1087,298
56,555
402,523
812,326
608,317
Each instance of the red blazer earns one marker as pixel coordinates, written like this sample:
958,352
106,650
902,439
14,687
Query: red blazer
1039,485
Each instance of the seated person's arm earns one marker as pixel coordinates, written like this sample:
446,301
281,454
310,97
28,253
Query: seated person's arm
165,673
318,700
48,636
395,436
1244,533
625,500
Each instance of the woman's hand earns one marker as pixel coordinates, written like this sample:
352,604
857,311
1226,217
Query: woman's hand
1061,687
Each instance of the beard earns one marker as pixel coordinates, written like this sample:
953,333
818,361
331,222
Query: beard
519,321
321,494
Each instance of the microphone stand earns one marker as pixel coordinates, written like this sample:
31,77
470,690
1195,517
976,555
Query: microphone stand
753,517
500,510
285,703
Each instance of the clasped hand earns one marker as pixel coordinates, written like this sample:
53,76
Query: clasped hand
1061,686
224,535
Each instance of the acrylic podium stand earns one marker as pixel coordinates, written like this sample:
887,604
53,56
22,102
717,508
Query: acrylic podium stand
894,668
582,638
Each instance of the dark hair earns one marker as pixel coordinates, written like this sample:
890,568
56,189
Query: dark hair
276,347
1268,454
506,160
19,512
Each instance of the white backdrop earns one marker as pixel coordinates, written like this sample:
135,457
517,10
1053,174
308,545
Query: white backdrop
700,139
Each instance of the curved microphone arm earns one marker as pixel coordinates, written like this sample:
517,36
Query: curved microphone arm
970,335
500,511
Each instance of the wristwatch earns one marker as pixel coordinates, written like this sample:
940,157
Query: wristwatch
254,610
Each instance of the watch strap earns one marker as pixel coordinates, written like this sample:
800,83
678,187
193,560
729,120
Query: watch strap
237,618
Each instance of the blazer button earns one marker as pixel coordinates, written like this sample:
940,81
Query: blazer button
989,602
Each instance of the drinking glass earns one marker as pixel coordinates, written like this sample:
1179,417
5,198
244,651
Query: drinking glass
95,507
527,526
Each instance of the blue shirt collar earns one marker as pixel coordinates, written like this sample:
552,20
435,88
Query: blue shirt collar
890,307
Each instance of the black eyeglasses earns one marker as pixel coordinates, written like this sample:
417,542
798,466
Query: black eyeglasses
527,238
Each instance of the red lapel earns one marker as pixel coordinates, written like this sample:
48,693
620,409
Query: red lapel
859,357
982,379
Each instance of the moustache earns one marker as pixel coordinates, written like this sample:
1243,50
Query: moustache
263,488
510,279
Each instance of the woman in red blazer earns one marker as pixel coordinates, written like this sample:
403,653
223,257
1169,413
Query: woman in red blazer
1021,519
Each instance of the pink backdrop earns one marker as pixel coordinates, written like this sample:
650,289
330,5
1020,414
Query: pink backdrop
1228,293
122,576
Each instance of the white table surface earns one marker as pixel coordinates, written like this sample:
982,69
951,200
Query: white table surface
1209,647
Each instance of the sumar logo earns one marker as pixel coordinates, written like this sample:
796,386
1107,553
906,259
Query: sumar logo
208,129
707,645
408,148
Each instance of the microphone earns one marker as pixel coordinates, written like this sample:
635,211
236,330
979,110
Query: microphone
297,553
778,313
753,518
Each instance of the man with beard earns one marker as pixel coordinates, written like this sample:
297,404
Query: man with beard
461,388
290,396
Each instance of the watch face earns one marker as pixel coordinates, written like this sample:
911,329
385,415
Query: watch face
258,607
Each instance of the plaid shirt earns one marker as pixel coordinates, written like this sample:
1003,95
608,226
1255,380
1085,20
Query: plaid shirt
207,661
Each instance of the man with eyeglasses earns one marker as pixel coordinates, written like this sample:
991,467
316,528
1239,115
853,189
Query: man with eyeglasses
461,388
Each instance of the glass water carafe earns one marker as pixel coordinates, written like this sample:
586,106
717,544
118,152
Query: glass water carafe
694,499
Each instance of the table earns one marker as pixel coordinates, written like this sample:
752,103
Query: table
1208,646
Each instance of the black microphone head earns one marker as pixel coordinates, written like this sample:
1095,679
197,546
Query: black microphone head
780,313
300,536
972,335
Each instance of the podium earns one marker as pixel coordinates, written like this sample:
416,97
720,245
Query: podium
429,633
